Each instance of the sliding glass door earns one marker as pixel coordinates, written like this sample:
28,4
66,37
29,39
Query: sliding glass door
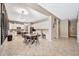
0,24
0,28
3,23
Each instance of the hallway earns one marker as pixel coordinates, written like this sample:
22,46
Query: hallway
61,46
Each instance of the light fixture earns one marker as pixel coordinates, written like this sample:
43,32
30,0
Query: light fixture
22,14
22,11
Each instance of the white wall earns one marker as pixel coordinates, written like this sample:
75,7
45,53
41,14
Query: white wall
42,25
64,28
78,30
14,26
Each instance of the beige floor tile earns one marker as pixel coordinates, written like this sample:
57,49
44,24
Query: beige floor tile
63,46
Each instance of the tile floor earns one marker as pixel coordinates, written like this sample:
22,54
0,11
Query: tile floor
57,47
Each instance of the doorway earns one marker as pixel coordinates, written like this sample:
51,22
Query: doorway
73,28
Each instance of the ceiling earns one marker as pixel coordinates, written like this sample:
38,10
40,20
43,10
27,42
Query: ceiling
29,15
62,10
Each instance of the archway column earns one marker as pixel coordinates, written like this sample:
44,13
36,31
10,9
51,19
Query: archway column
57,28
50,35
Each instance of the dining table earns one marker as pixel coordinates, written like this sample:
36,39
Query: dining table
31,38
